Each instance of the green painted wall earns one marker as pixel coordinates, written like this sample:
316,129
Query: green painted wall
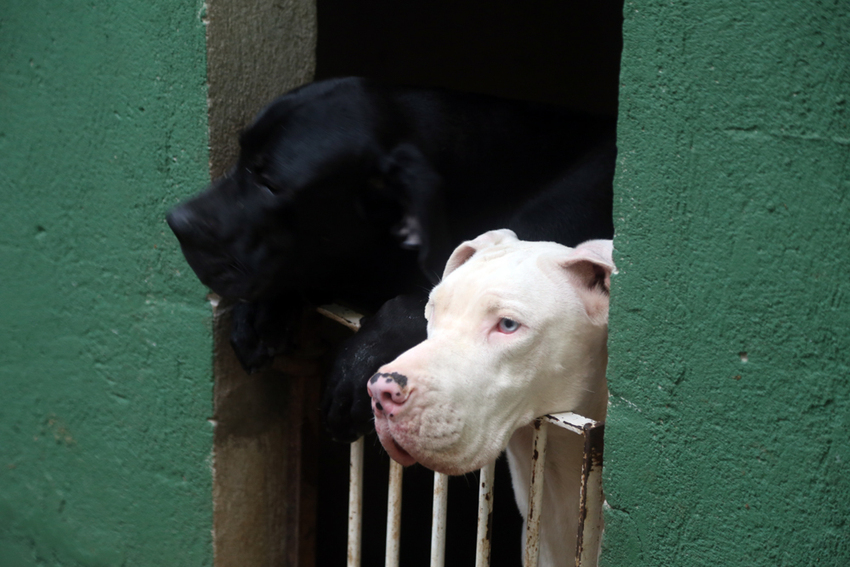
729,432
105,370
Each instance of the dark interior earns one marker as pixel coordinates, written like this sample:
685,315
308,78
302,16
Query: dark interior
565,53
558,52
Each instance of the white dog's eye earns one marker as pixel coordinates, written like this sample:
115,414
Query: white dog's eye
508,325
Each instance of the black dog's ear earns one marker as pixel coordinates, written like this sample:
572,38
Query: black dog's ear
423,226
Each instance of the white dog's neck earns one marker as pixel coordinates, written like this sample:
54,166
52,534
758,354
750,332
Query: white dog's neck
562,479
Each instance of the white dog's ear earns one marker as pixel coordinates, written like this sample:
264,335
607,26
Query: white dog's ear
590,266
593,263
467,249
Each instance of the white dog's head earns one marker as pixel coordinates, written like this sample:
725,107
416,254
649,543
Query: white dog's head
515,330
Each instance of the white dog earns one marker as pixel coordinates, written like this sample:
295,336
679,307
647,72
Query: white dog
516,330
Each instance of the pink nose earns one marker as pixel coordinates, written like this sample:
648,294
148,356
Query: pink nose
388,391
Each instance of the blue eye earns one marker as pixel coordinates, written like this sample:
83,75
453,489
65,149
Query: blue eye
508,326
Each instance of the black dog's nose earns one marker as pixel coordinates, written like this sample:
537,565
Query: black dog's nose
182,221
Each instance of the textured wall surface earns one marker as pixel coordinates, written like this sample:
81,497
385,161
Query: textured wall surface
263,484
729,433
256,51
105,371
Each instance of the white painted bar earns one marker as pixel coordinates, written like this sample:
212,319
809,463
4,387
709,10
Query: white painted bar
485,515
535,496
394,515
355,503
438,519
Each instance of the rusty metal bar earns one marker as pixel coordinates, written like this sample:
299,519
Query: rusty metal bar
535,493
590,507
355,503
591,495
485,515
393,515
438,519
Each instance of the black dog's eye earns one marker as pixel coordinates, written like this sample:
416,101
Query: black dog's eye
267,187
260,181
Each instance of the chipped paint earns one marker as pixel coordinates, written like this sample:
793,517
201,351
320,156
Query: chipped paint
438,520
535,496
394,515
485,515
355,503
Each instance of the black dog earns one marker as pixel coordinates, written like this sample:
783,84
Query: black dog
358,190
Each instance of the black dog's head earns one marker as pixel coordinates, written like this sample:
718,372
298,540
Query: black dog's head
307,199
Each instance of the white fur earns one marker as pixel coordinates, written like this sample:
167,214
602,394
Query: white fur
470,390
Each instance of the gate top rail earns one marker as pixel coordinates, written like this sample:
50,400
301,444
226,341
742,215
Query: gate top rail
574,422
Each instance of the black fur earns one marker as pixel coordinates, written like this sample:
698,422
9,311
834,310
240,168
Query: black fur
356,190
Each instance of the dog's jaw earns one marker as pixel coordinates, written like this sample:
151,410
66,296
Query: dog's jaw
391,446
407,449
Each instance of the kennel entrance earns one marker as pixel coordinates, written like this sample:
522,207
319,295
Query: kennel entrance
589,531
268,488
